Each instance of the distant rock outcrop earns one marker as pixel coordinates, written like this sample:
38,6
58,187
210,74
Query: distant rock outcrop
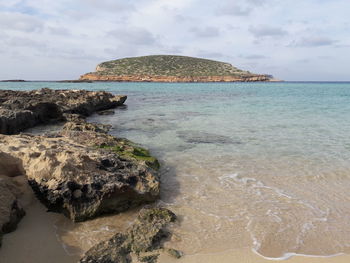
167,68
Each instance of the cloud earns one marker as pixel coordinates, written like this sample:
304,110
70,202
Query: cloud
267,31
253,56
134,36
313,41
109,5
210,54
234,10
25,42
256,2
20,22
208,31
60,31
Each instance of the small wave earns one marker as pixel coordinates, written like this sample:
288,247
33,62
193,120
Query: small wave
289,255
273,206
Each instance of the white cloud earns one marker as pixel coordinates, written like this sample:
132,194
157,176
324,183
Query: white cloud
267,31
208,31
314,41
133,36
235,10
19,22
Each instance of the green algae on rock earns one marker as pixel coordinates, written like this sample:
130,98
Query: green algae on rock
95,135
129,150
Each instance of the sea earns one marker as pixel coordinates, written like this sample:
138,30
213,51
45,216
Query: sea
264,166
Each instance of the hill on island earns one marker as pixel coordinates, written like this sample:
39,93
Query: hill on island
169,68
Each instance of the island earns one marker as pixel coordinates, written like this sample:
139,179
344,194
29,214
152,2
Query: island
170,68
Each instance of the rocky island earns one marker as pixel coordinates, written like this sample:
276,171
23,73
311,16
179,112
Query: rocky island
168,68
80,170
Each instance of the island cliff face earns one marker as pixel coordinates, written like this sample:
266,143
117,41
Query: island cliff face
167,68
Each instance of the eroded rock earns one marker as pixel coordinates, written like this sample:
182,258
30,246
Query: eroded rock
24,109
11,211
82,125
79,179
94,135
143,239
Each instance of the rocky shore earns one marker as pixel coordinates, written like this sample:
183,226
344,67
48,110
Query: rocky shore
80,171
20,110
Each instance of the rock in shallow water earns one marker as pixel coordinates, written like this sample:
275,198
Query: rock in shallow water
82,125
143,238
204,137
24,109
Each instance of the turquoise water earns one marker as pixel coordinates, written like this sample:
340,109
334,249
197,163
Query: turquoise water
260,165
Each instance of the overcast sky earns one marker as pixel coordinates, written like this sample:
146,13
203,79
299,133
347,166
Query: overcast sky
63,39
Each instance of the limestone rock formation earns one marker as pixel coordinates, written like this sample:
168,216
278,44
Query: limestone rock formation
168,68
143,239
82,180
81,125
24,109
10,210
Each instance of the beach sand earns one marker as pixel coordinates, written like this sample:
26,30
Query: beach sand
247,256
35,241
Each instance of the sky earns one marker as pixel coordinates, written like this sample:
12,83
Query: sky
63,39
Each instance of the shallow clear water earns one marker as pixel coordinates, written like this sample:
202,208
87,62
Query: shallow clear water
260,165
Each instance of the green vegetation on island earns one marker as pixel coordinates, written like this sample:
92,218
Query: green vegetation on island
169,68
168,65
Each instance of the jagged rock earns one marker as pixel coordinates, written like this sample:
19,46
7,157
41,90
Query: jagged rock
124,148
86,126
144,236
24,109
10,210
79,180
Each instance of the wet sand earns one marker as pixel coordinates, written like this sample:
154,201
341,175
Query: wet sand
247,256
35,241
44,237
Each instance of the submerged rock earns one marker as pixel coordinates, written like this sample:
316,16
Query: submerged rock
10,210
24,109
106,112
204,137
82,125
143,239
79,179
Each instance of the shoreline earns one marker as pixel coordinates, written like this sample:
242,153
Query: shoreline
38,220
244,255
